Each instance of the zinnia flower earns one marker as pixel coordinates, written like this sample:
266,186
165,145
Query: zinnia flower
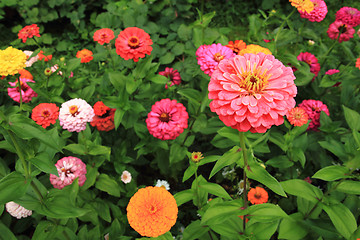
17,211
11,61
357,64
331,71
45,114
167,119
258,195
319,12
25,74
349,16
173,75
152,211
297,116
69,168
255,49
196,157
26,92
126,177
163,183
209,56
104,117
85,55
74,114
29,32
252,92
133,43
302,5
346,31
313,109
42,56
311,60
236,46
104,35
32,60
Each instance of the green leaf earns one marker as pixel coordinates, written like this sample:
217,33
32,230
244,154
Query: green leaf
119,114
298,155
167,58
189,172
192,94
194,230
292,229
100,150
352,118
332,173
107,184
350,187
214,189
280,162
184,32
262,230
6,234
227,159
91,174
229,229
118,80
177,153
266,212
12,187
72,64
335,147
229,133
43,162
184,196
165,236
76,148
218,212
159,79
301,188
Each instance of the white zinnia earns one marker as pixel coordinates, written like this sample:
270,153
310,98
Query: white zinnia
163,183
17,211
126,177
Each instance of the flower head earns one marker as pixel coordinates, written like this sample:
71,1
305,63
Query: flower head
74,114
133,43
302,5
104,117
349,16
26,92
69,168
48,72
173,75
338,27
167,119
45,114
25,74
152,211
318,13
126,177
255,49
209,56
252,92
163,183
85,55
236,46
297,116
258,195
311,60
29,32
17,211
313,108
357,64
104,35
196,157
45,57
32,60
11,61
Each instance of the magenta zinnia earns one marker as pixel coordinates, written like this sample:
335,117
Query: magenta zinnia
311,60
26,92
252,92
167,119
349,16
338,27
318,13
173,75
313,108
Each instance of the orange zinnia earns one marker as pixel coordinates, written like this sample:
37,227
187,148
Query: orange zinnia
85,55
152,211
255,49
236,46
258,195
25,74
104,35
303,5
297,116
42,56
357,64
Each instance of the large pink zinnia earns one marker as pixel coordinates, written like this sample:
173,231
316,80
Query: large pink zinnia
167,119
349,16
209,56
252,92
313,108
311,60
338,27
319,12
26,92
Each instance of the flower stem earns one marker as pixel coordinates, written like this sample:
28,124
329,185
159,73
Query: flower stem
281,27
324,57
37,191
19,153
244,151
197,190
19,87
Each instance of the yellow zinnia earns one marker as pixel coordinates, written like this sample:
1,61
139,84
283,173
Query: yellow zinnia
255,49
303,5
11,61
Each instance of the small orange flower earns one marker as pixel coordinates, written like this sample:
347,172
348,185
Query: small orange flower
85,55
357,64
152,211
297,116
236,46
29,32
42,56
255,49
258,195
25,74
104,35
303,5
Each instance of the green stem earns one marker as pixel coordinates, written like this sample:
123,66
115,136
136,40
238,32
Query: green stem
37,191
244,151
197,190
19,87
36,42
19,153
281,27
324,58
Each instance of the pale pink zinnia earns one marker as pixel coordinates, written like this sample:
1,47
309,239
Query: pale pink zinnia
69,168
319,12
17,211
126,177
311,60
27,93
32,60
252,92
209,56
173,75
349,16
167,119
338,27
313,108
74,114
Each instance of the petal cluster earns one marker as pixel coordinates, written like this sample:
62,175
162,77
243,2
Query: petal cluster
252,92
17,211
11,61
313,108
85,55
297,116
45,114
104,35
349,16
236,46
29,32
173,75
258,195
69,168
302,5
30,61
318,13
27,93
255,49
338,27
104,117
126,177
311,60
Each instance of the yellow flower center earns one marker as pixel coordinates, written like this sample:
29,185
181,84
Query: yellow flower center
152,209
164,117
45,113
133,42
218,57
73,110
255,81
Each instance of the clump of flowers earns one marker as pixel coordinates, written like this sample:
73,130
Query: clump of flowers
69,168
209,56
85,55
236,46
104,35
104,117
252,92
32,60
349,16
29,32
313,108
196,157
133,43
167,119
27,93
126,177
303,5
45,114
255,49
162,183
311,60
17,211
74,114
318,13
152,211
258,195
297,116
338,27
173,75
11,61
46,58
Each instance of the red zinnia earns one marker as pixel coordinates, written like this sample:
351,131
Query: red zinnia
236,46
311,60
313,108
104,35
173,75
258,195
297,116
357,64
29,32
349,16
338,27
45,114
42,56
85,55
104,117
133,43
